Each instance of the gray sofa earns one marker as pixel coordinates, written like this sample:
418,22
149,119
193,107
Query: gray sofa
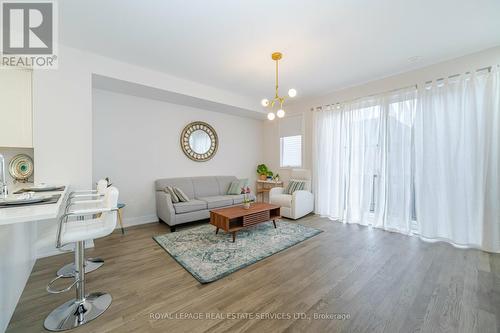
205,193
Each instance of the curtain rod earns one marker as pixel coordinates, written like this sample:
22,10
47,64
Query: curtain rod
363,97
488,68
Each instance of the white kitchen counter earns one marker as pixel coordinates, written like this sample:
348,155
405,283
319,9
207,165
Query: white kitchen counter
29,213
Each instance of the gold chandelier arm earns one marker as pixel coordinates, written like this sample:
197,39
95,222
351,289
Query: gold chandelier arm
276,56
276,93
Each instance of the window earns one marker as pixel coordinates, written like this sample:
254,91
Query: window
291,151
290,133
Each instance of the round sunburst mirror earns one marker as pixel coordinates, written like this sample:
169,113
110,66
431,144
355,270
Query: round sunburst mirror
199,141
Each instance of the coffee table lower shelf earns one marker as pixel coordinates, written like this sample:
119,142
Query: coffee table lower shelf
233,219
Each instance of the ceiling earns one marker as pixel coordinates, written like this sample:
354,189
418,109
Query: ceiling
327,44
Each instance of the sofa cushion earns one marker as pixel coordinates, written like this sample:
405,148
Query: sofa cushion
217,201
191,216
205,186
189,206
284,200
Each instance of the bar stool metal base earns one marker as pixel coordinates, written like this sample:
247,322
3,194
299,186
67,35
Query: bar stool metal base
73,314
91,264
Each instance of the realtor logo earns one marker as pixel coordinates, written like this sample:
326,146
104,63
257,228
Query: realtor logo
28,34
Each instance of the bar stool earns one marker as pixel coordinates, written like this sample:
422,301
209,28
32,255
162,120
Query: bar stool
85,307
84,200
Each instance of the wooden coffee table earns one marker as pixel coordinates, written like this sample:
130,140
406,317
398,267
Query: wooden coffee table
232,219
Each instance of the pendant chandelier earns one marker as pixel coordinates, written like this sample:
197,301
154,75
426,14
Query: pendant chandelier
277,100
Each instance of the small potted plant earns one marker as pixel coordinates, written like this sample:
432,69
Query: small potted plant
269,175
246,198
262,171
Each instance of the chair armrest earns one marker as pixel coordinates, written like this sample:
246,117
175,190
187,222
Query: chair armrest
82,192
276,190
165,208
302,195
86,195
89,211
83,204
302,203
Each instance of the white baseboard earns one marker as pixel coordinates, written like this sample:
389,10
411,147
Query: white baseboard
138,220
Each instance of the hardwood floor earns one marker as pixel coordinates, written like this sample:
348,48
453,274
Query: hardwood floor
375,281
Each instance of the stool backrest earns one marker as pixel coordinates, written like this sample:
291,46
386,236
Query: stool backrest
102,185
110,201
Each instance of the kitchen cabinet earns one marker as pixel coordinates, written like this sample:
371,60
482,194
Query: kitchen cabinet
16,116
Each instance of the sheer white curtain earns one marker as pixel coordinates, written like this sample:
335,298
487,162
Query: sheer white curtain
457,168
362,161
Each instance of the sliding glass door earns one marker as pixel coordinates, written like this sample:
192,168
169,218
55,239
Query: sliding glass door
383,160
363,155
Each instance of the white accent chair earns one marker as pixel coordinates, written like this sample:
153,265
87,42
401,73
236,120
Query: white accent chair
298,204
76,227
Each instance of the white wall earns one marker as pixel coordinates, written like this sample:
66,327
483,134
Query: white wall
62,110
417,77
136,141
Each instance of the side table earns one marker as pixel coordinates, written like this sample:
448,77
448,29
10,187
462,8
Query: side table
264,186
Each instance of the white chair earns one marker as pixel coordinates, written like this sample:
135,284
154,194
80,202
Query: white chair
78,200
85,307
298,204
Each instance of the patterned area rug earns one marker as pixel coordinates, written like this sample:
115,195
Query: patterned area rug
209,257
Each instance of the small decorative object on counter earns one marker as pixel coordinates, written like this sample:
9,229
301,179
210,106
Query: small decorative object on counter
21,168
246,199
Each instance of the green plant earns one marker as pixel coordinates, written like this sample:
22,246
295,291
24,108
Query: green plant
262,169
270,174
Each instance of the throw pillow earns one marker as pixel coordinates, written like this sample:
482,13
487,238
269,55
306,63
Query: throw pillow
173,196
181,195
234,188
243,184
295,185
